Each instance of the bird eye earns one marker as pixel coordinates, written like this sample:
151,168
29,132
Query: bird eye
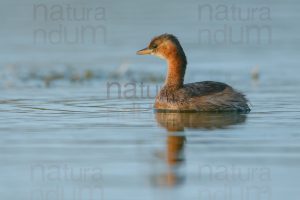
154,46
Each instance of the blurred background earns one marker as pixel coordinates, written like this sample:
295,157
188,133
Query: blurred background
60,114
70,40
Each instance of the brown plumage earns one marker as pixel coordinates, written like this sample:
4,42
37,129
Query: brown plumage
200,96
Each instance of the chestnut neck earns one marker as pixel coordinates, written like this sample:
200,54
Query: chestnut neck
176,69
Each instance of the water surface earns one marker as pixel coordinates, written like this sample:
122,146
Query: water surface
63,137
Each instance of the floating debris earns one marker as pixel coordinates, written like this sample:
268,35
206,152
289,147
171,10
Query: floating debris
255,73
88,74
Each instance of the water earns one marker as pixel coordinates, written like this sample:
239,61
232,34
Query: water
66,135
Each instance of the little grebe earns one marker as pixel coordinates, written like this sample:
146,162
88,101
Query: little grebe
199,96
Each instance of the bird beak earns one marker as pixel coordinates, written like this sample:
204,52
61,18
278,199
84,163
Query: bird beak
144,51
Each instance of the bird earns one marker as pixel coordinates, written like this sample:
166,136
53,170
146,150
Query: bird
175,96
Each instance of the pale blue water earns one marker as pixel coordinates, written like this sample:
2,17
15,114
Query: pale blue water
63,137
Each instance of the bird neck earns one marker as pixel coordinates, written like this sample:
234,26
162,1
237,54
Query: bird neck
176,70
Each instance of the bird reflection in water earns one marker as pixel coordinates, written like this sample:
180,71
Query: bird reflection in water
175,124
